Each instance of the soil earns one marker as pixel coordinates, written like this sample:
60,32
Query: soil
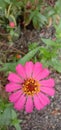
50,117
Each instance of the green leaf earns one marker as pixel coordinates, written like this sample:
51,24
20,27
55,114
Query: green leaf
8,67
7,1
51,12
32,46
58,7
49,42
42,18
45,62
17,126
56,44
2,4
29,56
5,117
13,114
56,65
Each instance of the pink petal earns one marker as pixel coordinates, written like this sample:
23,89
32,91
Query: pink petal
20,70
37,102
47,83
43,74
49,91
29,69
29,104
43,99
15,96
12,86
19,105
14,78
37,69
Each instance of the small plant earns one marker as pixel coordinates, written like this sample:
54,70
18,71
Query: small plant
35,12
26,14
8,116
9,9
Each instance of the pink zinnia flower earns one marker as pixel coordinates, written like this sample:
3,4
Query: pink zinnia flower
12,24
28,87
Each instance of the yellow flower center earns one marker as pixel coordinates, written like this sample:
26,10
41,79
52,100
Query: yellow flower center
31,87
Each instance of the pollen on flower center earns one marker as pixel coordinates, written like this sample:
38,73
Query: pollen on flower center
31,86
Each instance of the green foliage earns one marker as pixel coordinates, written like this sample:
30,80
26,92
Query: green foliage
9,10
36,11
32,46
56,63
58,30
38,19
58,7
8,116
49,53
